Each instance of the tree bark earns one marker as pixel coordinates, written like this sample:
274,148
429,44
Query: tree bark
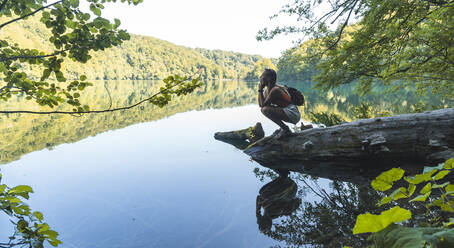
241,139
408,140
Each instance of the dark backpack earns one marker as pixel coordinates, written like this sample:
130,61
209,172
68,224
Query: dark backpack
296,96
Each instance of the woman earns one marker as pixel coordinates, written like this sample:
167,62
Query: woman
276,103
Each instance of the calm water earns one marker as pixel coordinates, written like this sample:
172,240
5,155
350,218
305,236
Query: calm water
158,178
165,183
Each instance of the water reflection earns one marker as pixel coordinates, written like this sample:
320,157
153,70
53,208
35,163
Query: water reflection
328,209
276,198
170,174
21,134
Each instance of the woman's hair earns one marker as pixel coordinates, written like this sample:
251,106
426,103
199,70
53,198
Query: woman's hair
271,75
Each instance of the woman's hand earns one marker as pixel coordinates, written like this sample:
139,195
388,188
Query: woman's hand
262,83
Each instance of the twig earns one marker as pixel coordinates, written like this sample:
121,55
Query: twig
91,111
29,14
33,57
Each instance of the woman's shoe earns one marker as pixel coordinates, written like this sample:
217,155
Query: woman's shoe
283,133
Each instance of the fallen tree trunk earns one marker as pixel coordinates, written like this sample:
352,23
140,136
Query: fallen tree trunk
403,140
241,139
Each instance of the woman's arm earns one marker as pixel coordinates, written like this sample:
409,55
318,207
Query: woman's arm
270,97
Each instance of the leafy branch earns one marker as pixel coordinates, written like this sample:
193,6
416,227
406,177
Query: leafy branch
185,86
29,14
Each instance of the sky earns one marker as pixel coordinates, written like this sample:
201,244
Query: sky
213,24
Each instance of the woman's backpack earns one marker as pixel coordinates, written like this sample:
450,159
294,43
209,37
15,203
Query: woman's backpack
296,96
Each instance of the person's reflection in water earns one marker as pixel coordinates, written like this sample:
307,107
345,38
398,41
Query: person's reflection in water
277,198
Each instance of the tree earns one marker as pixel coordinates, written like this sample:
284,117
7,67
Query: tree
394,42
74,35
259,67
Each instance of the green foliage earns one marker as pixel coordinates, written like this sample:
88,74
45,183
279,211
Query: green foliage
328,119
22,134
427,182
393,42
386,179
374,223
73,35
363,111
30,228
397,236
259,67
294,66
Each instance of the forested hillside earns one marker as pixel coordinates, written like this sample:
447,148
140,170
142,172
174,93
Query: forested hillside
139,58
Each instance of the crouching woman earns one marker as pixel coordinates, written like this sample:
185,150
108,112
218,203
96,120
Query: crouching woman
276,104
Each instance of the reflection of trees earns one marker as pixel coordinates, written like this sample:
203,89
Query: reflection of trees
21,134
327,214
325,222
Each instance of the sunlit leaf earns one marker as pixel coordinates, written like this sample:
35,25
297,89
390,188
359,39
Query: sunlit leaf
427,188
421,197
385,200
366,223
420,177
21,188
386,179
411,189
436,186
441,174
399,193
449,164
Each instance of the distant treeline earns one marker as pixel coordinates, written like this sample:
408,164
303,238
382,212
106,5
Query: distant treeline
141,57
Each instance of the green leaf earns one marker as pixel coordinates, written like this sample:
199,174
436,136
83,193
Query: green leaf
374,223
95,10
421,197
441,174
74,3
427,188
398,236
386,179
117,23
449,188
417,179
399,193
436,186
38,215
20,189
2,188
449,164
411,189
385,200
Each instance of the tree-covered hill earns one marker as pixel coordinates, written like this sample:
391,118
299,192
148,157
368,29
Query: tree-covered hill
141,57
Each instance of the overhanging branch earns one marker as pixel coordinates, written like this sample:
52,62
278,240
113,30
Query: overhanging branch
29,14
93,111
33,57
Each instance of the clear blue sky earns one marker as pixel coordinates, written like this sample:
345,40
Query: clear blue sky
228,25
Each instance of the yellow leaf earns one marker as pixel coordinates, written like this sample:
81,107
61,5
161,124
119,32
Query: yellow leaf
374,223
386,179
449,164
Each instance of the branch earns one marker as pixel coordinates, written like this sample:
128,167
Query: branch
342,28
29,14
33,57
92,111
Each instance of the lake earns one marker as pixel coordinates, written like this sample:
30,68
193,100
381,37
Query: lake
153,177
